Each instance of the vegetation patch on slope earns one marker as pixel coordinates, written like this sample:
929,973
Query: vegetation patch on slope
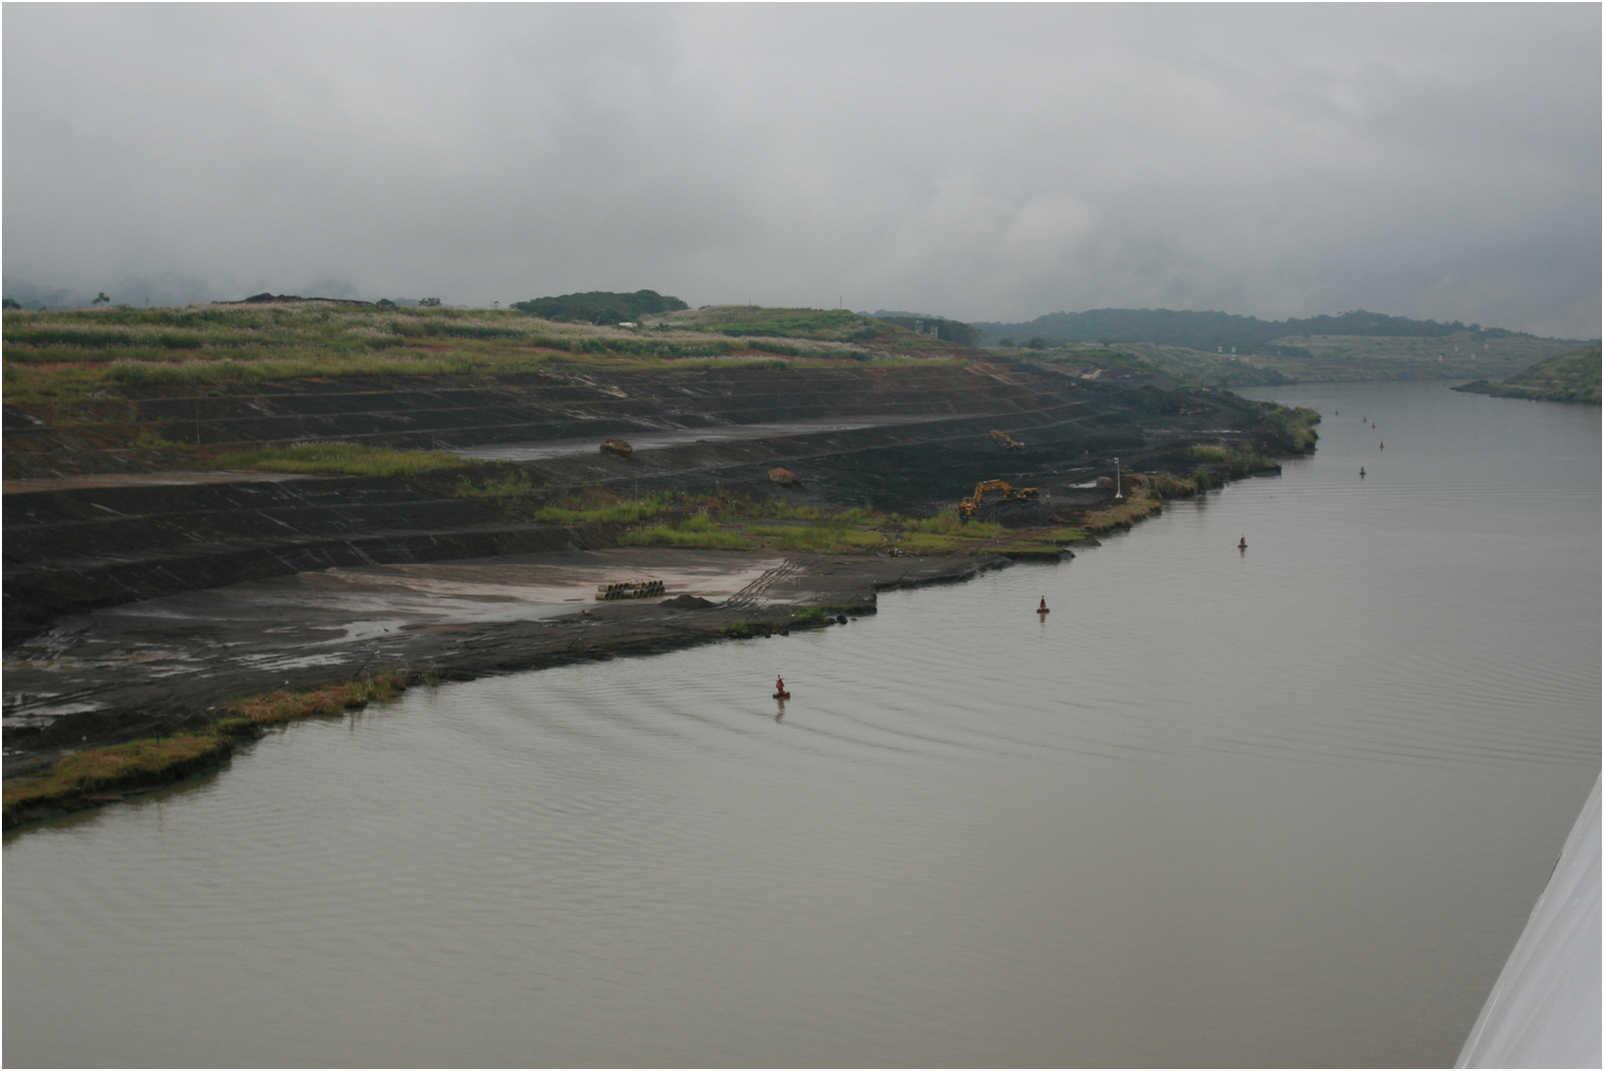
341,459
724,521
74,364
95,774
276,708
1569,377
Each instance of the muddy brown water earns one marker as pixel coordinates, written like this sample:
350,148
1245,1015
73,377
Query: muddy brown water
1282,807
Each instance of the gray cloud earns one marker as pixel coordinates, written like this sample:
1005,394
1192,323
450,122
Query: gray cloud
987,162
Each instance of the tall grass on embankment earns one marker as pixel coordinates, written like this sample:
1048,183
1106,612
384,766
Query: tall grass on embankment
276,708
68,359
517,495
722,521
96,775
138,764
342,459
734,523
699,531
1122,515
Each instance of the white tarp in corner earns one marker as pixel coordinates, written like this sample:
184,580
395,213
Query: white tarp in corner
1544,1009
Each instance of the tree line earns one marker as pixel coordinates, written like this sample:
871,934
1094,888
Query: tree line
600,306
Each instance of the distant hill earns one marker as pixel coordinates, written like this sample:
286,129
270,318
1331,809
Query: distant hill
600,306
1216,330
1569,377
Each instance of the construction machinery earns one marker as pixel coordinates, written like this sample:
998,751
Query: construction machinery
629,589
1008,441
1000,488
617,446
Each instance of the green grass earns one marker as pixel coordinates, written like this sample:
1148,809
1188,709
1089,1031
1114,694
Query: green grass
699,532
344,459
949,523
515,492
818,539
741,523
627,511
1212,452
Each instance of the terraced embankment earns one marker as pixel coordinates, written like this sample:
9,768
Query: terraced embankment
922,438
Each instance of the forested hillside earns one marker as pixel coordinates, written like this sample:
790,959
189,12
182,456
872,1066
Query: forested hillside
1215,330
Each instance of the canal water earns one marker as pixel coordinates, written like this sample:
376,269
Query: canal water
1282,807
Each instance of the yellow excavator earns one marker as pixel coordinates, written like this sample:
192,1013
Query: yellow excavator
968,507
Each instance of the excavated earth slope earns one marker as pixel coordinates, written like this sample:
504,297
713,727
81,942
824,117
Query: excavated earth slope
86,528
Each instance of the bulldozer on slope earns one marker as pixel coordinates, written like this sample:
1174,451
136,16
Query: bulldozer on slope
968,507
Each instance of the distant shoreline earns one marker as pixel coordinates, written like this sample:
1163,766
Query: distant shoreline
1531,394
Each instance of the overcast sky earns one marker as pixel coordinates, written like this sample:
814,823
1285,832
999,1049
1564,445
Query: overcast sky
985,162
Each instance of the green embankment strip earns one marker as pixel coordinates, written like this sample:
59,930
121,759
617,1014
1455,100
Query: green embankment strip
141,762
742,523
663,535
344,459
158,760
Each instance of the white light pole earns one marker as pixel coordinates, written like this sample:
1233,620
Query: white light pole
1117,495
